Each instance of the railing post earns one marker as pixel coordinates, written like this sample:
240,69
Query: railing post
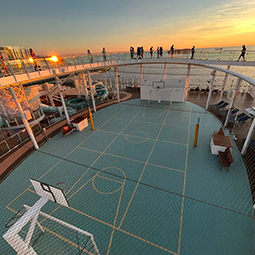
232,101
211,88
91,91
48,66
224,84
117,84
141,71
58,82
74,63
24,120
248,137
165,68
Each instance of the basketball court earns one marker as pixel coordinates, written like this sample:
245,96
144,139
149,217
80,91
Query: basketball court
138,185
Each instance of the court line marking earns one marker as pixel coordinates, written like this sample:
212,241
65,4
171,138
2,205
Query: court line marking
63,160
109,179
184,187
112,192
91,165
150,139
109,225
141,175
88,168
144,139
134,160
115,220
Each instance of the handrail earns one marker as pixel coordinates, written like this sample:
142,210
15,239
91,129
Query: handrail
109,64
66,63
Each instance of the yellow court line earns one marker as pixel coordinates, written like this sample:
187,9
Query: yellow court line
90,166
146,241
141,175
121,230
184,188
143,162
115,220
109,179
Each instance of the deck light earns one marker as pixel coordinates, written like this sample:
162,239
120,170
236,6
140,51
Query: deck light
54,58
31,60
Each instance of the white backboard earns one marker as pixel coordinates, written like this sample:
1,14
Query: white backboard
56,194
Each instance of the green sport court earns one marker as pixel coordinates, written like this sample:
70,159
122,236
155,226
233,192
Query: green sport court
138,185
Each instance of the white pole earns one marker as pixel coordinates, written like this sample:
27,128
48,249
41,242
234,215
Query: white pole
117,84
62,100
224,84
165,67
84,83
248,137
211,88
26,124
91,91
141,71
232,101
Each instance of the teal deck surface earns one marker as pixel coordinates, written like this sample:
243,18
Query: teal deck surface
139,186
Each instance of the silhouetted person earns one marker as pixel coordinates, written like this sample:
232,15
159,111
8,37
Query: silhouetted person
192,52
32,54
161,52
104,54
142,51
139,52
132,51
158,52
151,51
172,51
242,53
90,56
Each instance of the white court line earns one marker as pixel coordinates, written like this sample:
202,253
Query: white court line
184,188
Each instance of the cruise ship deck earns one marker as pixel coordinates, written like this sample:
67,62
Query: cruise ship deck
136,182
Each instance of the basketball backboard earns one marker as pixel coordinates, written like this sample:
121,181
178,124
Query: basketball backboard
57,195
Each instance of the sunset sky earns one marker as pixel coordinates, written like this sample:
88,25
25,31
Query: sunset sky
73,26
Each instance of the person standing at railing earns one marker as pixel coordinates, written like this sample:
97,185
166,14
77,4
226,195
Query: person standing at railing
172,51
104,54
138,52
151,51
161,52
242,53
192,52
158,52
142,51
132,51
33,56
90,56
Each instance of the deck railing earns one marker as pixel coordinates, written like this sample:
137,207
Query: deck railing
71,62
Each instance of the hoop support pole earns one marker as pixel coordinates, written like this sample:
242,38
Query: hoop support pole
196,133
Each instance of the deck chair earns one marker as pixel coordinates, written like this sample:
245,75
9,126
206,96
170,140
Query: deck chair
243,118
224,112
216,105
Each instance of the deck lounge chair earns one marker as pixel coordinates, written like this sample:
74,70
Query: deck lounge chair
224,112
240,118
217,105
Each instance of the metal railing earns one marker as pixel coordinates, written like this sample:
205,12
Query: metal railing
71,62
